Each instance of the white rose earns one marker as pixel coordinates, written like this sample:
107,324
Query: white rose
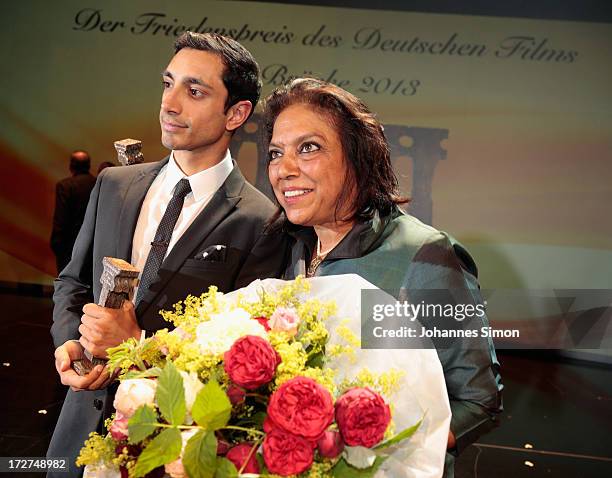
134,393
218,334
101,471
359,456
192,385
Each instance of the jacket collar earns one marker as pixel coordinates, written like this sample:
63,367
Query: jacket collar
364,237
132,202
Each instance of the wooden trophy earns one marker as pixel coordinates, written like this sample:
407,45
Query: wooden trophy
129,151
119,278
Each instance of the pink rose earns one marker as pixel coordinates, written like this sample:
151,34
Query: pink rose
303,407
251,362
362,417
176,469
330,445
285,319
239,455
119,427
287,454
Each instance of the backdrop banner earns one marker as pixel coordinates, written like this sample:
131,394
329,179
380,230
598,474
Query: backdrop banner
501,128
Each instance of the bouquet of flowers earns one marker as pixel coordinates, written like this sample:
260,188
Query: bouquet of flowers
244,388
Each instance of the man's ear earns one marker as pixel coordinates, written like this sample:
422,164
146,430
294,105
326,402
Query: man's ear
238,114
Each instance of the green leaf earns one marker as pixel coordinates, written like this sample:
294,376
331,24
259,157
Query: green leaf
141,424
254,421
199,458
164,448
170,395
121,354
317,360
343,470
211,408
148,373
225,469
257,419
403,435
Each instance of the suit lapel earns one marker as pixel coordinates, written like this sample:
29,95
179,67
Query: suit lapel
132,202
220,206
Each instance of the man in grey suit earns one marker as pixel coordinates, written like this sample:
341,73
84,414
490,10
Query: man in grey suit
218,236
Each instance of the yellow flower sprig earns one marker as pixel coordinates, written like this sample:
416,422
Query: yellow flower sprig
187,356
194,310
386,383
348,349
97,449
289,295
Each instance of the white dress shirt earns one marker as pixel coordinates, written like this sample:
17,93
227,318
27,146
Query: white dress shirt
203,186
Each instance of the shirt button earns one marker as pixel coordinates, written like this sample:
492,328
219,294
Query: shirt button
97,403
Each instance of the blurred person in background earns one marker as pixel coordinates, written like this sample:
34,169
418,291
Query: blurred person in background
71,197
104,165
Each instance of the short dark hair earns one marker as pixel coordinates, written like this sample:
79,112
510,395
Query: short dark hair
80,162
366,151
105,164
241,75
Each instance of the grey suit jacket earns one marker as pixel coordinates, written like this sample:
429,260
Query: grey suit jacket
235,217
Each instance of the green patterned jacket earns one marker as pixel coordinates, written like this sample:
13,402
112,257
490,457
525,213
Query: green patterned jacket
400,254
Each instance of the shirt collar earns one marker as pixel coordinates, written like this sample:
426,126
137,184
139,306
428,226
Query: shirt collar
202,183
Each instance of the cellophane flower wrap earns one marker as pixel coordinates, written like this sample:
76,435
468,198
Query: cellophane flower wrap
241,388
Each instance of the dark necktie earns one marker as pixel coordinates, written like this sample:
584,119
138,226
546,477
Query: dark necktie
160,243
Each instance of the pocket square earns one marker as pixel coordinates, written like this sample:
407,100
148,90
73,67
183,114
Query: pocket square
215,253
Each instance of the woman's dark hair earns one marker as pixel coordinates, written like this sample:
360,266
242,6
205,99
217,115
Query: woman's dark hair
370,174
241,74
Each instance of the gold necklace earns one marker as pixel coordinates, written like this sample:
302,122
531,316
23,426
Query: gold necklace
319,257
314,264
